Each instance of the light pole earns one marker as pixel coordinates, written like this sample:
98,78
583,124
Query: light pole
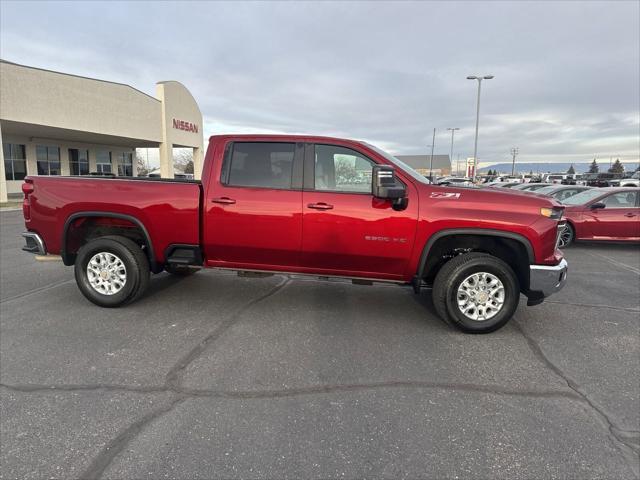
514,152
453,130
475,145
433,144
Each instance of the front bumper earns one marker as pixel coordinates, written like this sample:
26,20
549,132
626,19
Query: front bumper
545,280
33,243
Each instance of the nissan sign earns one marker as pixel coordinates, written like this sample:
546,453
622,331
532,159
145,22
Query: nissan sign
186,126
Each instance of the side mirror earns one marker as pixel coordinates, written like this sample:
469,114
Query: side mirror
385,185
597,205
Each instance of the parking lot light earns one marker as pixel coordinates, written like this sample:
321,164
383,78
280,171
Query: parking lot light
475,145
451,153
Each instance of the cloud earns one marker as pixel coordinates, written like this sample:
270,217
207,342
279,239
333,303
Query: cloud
565,87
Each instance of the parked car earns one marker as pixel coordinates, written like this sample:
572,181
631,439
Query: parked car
557,178
530,187
514,178
600,179
502,184
562,192
284,203
611,213
632,181
572,179
455,181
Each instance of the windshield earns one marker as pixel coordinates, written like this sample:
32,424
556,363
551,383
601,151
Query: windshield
582,197
403,166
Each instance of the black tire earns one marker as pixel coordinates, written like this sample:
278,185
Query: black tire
454,273
567,236
180,270
134,260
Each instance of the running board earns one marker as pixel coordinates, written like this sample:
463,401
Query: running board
182,254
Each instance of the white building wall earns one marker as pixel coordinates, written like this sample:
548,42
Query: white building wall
77,112
14,186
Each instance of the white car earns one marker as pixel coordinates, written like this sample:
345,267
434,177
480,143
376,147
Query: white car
633,181
455,181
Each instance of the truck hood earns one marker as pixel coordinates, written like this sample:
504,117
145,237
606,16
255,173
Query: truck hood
485,207
492,195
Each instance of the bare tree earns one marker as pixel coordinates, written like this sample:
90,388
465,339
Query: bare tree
183,160
141,165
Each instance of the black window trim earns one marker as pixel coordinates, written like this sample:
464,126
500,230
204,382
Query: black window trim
296,168
602,200
12,160
79,162
48,161
120,162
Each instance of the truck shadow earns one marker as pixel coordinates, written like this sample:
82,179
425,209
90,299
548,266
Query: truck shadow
161,282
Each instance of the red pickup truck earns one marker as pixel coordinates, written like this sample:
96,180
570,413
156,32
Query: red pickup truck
303,205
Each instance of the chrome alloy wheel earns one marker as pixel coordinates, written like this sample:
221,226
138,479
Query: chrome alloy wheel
565,236
480,296
106,273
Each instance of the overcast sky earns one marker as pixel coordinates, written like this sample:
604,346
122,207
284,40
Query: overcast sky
566,84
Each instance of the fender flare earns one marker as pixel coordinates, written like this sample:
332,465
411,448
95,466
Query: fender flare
74,216
468,231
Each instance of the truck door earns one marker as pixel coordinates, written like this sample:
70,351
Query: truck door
253,213
346,231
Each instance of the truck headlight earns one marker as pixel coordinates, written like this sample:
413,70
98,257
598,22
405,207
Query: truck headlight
554,213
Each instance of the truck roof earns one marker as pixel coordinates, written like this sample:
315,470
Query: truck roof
282,136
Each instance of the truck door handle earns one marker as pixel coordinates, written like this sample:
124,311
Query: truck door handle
224,200
629,214
320,206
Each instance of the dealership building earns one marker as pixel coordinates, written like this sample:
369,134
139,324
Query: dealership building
54,123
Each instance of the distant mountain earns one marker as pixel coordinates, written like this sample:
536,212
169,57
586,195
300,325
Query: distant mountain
554,167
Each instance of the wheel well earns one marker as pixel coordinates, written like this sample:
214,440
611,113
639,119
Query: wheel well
511,251
82,229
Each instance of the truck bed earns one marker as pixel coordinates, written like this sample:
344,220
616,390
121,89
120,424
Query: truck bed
167,209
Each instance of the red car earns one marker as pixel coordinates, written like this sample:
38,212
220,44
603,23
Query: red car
303,205
611,214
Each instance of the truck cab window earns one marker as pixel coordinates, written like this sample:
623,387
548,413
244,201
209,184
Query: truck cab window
261,164
340,169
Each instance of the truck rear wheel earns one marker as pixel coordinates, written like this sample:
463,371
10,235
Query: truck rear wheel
111,271
476,292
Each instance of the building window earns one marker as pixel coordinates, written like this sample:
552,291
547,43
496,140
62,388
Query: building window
125,165
48,160
15,163
103,161
78,161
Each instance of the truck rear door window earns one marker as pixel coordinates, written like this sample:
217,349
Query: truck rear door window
261,164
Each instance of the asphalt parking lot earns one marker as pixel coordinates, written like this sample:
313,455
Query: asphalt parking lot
218,376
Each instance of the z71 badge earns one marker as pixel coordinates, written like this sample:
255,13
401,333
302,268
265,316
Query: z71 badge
445,195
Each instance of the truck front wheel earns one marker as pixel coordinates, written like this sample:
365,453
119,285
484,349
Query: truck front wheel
476,292
111,271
